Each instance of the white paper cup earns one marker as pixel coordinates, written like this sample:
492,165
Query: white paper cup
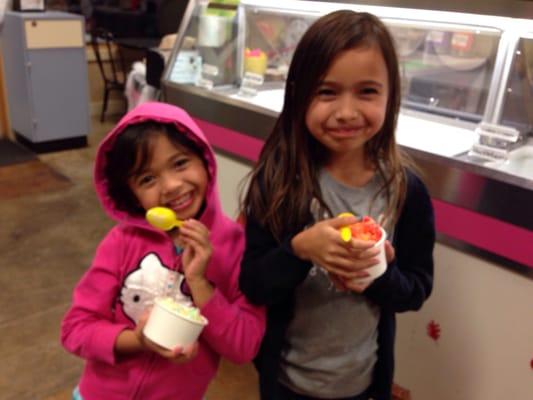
169,329
379,269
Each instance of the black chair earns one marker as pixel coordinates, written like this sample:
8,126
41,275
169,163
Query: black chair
112,68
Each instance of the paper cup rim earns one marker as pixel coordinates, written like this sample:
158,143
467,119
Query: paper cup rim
203,322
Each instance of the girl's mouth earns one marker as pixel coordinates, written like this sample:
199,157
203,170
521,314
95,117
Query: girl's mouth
181,202
345,131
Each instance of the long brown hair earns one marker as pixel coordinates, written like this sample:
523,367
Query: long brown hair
284,180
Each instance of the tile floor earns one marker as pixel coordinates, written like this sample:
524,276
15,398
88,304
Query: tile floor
46,242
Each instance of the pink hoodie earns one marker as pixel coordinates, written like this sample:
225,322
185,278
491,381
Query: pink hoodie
129,266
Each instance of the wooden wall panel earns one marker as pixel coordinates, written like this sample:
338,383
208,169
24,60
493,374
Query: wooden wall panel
5,127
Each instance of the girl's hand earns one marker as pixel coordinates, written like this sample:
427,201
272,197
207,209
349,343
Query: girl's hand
196,254
178,355
197,249
322,244
360,287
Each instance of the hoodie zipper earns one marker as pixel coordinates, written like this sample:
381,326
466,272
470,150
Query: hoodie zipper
152,359
149,366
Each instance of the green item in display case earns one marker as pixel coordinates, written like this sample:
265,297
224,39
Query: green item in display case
216,21
223,8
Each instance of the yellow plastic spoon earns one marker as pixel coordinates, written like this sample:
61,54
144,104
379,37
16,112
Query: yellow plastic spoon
346,232
163,218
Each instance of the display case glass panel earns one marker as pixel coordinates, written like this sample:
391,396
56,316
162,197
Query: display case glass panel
517,110
445,69
208,53
270,40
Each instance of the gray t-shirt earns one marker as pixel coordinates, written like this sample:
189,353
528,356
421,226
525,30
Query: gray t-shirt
331,342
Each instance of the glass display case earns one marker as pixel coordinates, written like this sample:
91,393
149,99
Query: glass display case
446,69
510,146
453,66
467,100
447,66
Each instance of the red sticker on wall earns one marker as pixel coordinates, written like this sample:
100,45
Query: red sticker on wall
433,330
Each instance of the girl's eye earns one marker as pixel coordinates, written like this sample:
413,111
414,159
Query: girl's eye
325,92
181,162
369,91
145,180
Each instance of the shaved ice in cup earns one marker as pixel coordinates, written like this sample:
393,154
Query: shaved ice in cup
171,324
368,229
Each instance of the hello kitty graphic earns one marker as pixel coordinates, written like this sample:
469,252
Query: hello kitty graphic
150,280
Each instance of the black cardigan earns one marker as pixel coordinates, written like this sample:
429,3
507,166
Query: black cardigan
270,272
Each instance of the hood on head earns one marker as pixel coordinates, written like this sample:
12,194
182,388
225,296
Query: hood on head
167,114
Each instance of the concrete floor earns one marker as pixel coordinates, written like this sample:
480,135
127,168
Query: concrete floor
46,243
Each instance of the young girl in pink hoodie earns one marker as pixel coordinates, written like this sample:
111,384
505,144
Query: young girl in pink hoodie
157,156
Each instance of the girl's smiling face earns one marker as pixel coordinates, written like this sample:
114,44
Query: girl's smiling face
348,107
173,177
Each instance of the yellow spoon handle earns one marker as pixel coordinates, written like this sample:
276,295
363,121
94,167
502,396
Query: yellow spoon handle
346,234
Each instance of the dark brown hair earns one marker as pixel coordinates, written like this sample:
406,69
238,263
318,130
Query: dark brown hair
129,155
284,180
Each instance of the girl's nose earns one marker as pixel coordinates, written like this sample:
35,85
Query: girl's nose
170,183
347,109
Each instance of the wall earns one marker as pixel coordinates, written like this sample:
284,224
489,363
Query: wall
485,315
485,348
230,174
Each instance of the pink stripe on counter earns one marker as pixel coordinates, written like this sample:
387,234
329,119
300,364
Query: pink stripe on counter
493,235
231,141
502,238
